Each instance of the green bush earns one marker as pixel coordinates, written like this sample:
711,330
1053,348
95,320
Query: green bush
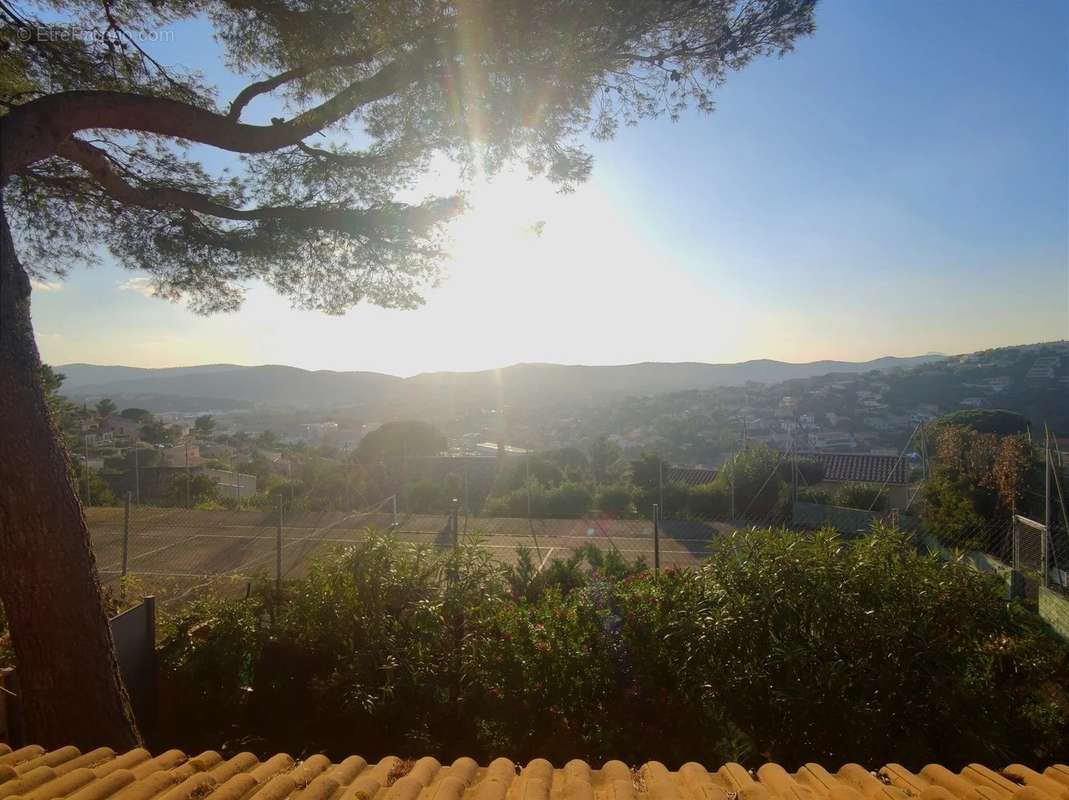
7,650
865,496
673,497
210,652
759,485
785,645
614,499
516,503
711,499
424,496
570,499
100,493
819,496
868,651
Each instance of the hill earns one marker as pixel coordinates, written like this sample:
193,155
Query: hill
273,386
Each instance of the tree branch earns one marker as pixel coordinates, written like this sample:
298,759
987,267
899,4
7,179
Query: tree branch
254,90
373,222
35,130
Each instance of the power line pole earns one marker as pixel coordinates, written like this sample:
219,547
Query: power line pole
278,552
734,456
656,538
137,476
794,468
660,482
125,540
187,470
88,492
1047,469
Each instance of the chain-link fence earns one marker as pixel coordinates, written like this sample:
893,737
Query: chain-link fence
180,553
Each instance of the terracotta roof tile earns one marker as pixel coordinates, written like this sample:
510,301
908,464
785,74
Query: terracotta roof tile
691,476
861,467
34,774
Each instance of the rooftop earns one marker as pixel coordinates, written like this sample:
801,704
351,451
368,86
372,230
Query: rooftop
862,467
691,476
33,773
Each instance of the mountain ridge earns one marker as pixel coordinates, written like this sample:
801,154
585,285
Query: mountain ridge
279,385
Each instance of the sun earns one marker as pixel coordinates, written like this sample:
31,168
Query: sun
505,215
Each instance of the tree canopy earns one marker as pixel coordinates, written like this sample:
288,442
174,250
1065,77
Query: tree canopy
985,420
96,129
406,439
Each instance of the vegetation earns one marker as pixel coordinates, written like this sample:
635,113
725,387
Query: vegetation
984,420
190,490
866,496
978,479
94,490
408,439
784,645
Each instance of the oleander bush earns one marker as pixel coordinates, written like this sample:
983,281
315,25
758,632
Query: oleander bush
793,646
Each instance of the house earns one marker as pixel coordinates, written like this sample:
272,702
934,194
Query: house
317,431
1000,383
495,448
216,450
691,476
181,455
877,423
888,471
232,484
121,428
832,440
152,484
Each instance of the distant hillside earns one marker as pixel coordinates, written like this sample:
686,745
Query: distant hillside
272,386
521,384
525,383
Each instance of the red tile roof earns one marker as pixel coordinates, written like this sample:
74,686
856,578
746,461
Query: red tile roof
34,774
861,467
691,476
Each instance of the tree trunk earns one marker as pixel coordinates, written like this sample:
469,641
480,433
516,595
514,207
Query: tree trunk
72,692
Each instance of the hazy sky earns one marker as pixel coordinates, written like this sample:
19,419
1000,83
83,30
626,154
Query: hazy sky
897,185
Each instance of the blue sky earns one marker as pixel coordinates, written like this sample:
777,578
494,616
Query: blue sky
899,184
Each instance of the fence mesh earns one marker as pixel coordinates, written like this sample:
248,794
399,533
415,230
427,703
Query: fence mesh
179,553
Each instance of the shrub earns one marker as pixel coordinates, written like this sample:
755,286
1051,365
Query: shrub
759,485
674,498
570,499
209,653
423,496
100,493
711,499
865,496
867,651
190,490
7,650
614,499
785,645
516,503
819,496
